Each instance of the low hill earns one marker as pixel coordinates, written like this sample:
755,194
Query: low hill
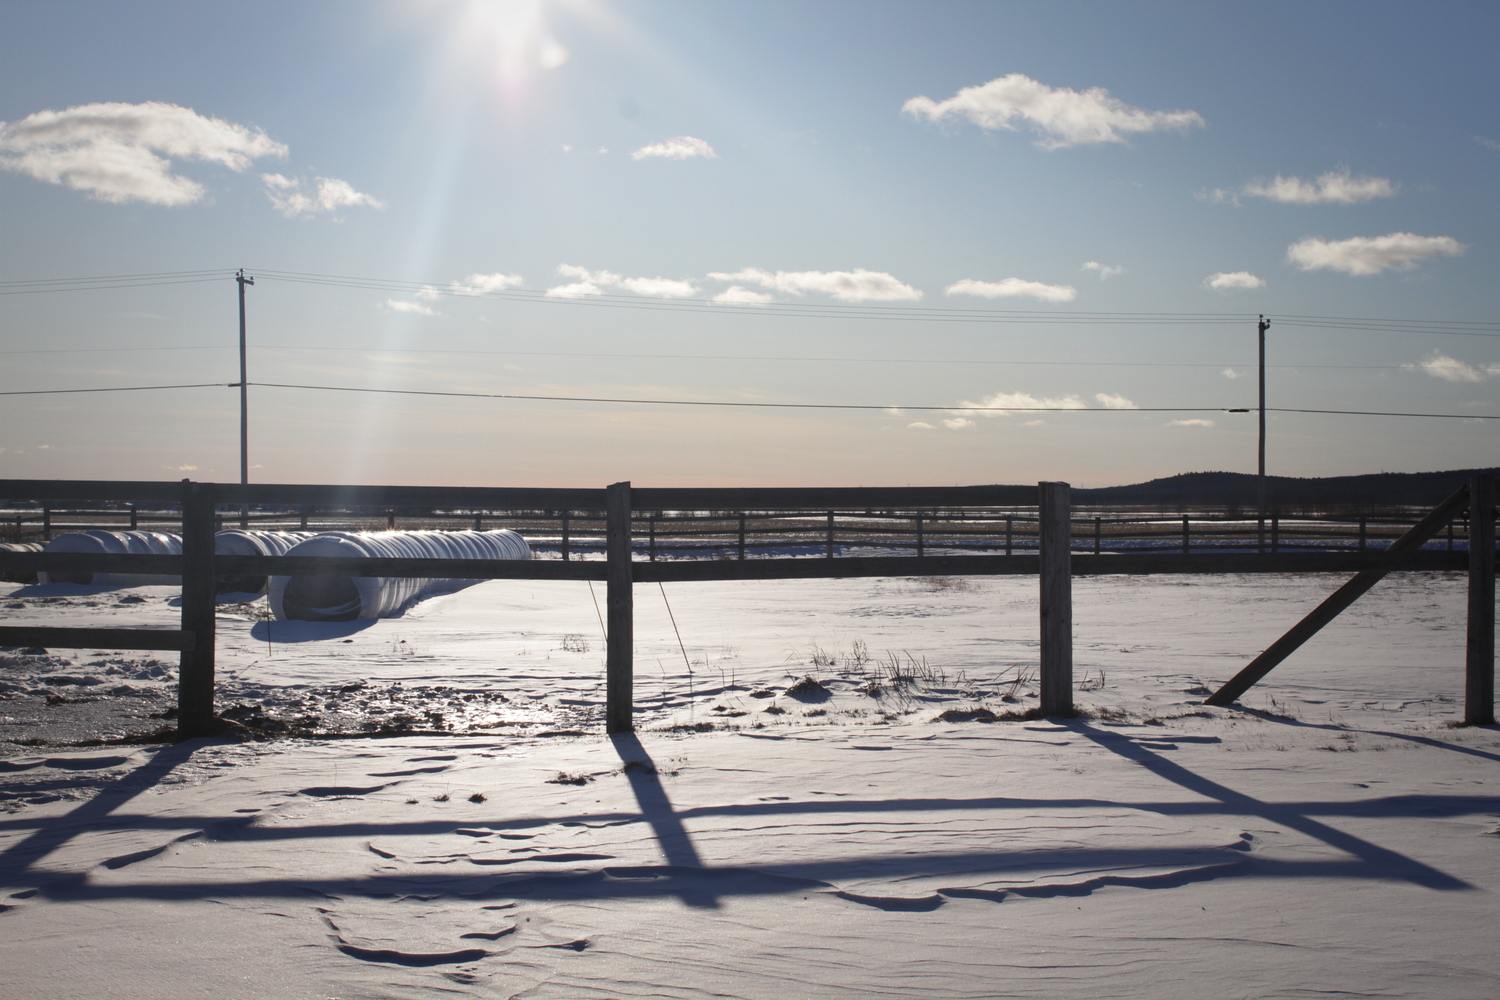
1237,489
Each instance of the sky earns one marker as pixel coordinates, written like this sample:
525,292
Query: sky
1018,241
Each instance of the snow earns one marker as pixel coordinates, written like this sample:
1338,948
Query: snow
1336,835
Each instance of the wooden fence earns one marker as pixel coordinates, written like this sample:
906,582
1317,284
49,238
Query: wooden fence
1052,556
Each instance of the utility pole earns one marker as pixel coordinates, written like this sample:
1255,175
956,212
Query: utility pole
245,400
1260,486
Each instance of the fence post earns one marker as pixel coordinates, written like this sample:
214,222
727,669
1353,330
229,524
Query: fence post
742,537
830,534
1098,524
1055,543
1007,535
619,709
651,537
565,536
1479,667
920,539
46,524
195,677
1362,534
1186,544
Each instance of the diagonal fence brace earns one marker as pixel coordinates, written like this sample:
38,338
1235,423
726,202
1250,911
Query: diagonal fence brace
1421,532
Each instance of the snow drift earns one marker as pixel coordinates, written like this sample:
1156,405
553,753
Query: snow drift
334,597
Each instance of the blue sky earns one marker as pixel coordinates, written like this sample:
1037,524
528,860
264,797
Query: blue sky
893,205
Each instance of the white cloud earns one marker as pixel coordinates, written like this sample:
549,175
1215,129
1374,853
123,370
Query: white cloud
331,195
959,424
1362,256
857,285
1113,402
595,283
920,426
681,148
1439,365
1230,373
1062,116
1487,143
123,152
1190,423
1002,404
410,307
1106,271
1013,288
474,284
1337,187
1227,281
734,295
187,468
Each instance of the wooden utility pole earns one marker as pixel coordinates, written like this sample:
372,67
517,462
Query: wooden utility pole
1260,485
244,399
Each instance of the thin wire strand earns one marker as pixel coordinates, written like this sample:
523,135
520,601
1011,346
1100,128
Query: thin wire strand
120,388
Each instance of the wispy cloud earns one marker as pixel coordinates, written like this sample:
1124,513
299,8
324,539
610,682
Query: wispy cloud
736,295
1112,402
1105,271
1363,256
1013,288
474,284
329,195
589,283
959,424
1001,404
123,152
920,425
1230,373
857,285
1439,365
1336,187
411,307
681,148
1233,281
1061,116
1195,422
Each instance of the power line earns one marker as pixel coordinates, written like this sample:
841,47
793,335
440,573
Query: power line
907,313
118,388
892,408
701,357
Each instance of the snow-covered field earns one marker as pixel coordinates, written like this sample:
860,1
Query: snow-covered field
1336,836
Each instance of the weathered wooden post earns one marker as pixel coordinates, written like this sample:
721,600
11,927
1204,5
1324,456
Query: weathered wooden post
1055,542
742,536
830,534
619,709
1479,666
195,675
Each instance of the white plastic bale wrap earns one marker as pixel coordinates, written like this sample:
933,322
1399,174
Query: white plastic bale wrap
19,575
119,543
242,542
334,597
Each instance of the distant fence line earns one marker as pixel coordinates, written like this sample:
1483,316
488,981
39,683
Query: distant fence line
665,534
919,531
